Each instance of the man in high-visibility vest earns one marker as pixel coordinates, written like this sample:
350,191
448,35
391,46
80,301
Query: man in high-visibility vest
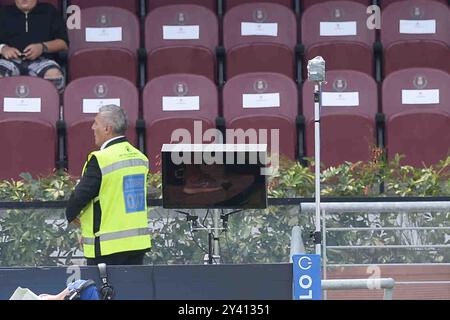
110,201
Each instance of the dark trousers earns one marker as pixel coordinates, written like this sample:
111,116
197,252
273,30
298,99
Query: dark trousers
121,258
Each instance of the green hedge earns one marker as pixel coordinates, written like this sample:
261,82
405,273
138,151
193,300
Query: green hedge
33,237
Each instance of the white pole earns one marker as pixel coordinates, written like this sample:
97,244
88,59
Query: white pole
317,100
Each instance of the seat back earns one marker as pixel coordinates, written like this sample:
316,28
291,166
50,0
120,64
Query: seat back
181,39
130,5
174,102
337,31
262,101
82,99
309,3
385,3
416,102
153,4
233,3
29,109
106,44
347,117
260,37
416,33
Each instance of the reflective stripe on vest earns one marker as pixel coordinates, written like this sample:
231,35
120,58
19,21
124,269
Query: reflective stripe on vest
124,164
118,235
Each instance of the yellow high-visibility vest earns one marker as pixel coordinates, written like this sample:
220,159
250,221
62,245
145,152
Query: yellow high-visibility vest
123,202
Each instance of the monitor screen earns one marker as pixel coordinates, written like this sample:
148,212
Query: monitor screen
197,184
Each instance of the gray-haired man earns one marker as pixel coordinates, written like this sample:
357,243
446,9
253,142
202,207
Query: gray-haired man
110,202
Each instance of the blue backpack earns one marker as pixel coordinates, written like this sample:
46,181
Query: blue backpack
82,290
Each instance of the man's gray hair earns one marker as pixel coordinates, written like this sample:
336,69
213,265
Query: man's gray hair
116,117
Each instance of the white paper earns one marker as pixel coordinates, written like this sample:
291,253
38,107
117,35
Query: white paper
345,28
418,26
112,34
259,29
340,99
24,294
181,32
261,100
420,96
22,104
181,103
93,105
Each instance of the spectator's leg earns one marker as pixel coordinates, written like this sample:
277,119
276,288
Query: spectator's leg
49,70
8,68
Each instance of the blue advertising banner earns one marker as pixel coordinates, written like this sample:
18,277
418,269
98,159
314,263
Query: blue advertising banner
307,277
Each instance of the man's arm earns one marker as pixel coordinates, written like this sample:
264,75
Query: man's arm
85,191
35,50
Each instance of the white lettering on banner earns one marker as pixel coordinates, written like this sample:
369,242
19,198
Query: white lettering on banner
418,26
420,96
261,100
306,286
113,34
22,104
181,103
259,29
181,32
340,99
345,28
93,105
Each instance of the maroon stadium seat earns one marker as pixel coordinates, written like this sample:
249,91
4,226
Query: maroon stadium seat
97,57
28,138
421,132
411,49
79,115
196,56
271,52
131,5
347,126
259,111
56,3
233,3
308,3
210,4
161,123
385,3
351,49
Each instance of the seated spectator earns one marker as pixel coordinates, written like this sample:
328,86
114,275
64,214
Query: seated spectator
31,34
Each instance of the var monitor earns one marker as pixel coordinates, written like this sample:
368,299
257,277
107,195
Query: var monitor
214,176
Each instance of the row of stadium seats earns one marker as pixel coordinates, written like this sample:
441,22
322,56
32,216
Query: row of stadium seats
36,133
258,37
135,6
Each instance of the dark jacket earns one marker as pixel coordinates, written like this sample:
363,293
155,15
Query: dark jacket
44,23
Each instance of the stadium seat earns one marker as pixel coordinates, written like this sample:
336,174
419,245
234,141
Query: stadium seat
106,44
337,31
131,5
347,121
307,3
56,3
416,102
29,110
181,39
416,33
385,3
233,3
175,101
263,101
210,4
260,37
82,99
